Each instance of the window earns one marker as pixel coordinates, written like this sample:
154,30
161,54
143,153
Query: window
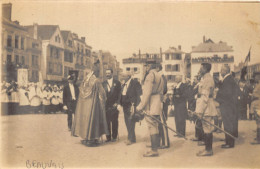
225,55
81,60
16,41
9,58
128,69
167,56
176,68
178,56
16,59
70,43
57,38
168,68
22,43
9,41
135,69
23,60
35,45
50,67
35,60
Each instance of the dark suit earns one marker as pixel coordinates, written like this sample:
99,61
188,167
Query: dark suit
132,96
69,102
111,111
243,97
180,108
227,98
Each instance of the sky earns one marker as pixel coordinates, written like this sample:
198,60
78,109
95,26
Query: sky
125,27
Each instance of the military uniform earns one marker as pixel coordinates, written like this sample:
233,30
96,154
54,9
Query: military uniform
152,103
255,107
206,108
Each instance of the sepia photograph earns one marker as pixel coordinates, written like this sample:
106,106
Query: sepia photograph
130,84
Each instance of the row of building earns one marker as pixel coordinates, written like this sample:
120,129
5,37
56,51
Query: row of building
177,62
47,52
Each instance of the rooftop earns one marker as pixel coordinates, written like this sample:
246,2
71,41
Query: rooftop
45,32
210,46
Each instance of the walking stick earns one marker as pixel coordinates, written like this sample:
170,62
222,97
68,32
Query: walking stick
158,121
212,124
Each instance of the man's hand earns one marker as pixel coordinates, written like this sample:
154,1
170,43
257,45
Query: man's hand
65,107
138,108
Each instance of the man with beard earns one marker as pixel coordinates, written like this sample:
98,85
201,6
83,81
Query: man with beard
152,103
112,88
90,117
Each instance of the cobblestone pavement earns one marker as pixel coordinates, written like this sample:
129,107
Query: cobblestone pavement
45,139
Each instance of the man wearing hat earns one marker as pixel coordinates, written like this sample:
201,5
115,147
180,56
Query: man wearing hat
152,104
70,96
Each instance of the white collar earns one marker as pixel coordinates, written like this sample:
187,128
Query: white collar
128,81
178,85
226,76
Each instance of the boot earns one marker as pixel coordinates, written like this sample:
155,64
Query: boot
257,140
155,140
208,146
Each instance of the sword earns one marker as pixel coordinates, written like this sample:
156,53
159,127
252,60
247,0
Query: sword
158,121
212,124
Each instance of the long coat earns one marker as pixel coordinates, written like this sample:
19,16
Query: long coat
205,102
152,97
90,117
227,98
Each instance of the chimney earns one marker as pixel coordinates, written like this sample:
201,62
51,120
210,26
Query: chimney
204,39
7,11
83,38
179,47
35,31
139,53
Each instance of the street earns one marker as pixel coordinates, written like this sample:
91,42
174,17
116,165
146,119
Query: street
40,138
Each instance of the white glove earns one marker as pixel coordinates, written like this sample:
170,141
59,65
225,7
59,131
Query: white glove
65,107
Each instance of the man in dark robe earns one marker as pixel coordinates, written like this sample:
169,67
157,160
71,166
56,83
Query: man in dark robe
90,116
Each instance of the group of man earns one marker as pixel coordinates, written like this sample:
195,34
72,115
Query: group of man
96,105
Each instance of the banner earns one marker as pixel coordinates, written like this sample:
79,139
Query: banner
22,76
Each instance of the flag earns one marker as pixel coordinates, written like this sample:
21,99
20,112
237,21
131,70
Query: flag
248,57
244,69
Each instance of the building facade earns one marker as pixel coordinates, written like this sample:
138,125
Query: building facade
52,57
135,64
19,48
217,54
173,64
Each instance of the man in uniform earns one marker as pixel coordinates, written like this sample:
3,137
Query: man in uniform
205,107
151,102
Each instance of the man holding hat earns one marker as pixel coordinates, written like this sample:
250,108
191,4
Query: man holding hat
129,99
70,96
152,103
